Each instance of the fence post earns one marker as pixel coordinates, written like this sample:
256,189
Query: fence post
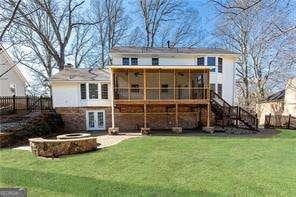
13,101
289,121
41,103
27,99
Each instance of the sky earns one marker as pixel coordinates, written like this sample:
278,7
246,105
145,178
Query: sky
206,12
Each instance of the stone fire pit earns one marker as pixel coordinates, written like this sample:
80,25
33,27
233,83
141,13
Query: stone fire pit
73,136
57,147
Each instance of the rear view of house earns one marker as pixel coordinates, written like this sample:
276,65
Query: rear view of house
155,88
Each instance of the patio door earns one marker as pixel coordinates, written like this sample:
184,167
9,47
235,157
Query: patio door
95,120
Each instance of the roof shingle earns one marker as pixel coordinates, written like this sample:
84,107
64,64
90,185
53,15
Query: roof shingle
158,50
82,74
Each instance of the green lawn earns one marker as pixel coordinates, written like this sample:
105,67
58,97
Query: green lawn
162,166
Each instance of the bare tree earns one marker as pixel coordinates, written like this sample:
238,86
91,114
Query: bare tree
262,36
111,26
63,19
154,13
171,20
6,17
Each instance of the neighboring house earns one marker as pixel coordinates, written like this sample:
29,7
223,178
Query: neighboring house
12,81
159,88
279,103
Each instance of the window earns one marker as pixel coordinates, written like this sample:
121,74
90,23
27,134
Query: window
220,63
125,61
220,89
213,70
104,91
200,80
135,88
213,87
155,61
83,91
200,61
211,61
164,88
134,61
93,91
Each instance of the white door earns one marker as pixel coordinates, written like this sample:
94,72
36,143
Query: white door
95,120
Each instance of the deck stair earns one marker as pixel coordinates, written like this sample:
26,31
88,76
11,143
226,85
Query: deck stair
227,115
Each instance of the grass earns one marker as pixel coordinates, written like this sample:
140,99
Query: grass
162,166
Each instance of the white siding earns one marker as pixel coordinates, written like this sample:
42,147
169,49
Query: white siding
226,78
11,78
67,94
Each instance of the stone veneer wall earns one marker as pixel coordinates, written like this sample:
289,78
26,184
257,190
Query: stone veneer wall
75,117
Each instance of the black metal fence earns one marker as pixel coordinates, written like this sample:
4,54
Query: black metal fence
11,104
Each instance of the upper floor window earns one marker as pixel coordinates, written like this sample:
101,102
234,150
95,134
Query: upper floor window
104,91
125,61
200,61
220,65
134,61
83,91
93,91
213,87
211,61
220,89
155,61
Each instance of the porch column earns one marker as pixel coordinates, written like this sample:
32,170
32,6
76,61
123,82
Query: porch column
176,116
112,100
208,115
145,116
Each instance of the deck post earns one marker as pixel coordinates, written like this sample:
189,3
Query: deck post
176,116
208,115
145,116
112,99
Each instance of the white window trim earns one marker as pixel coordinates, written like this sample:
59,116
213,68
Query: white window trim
96,120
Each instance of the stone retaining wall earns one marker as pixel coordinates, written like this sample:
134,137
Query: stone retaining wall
55,148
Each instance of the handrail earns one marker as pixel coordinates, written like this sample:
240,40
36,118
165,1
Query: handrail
234,112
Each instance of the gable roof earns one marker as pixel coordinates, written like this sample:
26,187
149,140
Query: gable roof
82,74
280,95
182,50
11,65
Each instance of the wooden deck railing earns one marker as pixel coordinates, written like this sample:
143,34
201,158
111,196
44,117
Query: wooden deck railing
227,111
160,93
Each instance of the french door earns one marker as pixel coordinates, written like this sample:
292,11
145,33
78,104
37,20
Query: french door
95,120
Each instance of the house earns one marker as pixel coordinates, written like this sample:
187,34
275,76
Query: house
155,88
281,103
11,78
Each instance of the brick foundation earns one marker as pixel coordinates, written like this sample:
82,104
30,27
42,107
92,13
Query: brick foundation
75,117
